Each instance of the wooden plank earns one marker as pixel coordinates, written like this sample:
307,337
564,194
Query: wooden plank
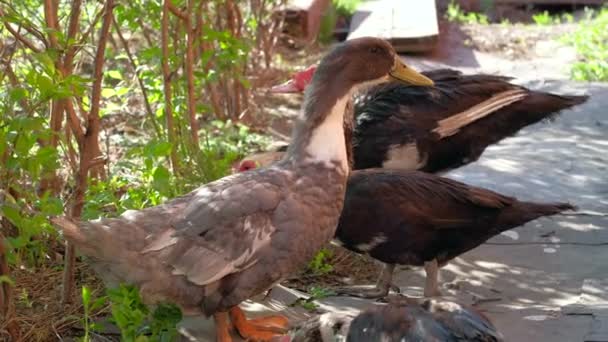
303,17
411,26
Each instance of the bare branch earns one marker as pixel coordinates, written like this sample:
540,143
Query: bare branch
50,15
85,36
190,78
74,122
29,44
68,60
177,12
167,86
144,92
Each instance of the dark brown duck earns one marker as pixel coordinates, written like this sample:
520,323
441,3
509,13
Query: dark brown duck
231,239
435,129
419,219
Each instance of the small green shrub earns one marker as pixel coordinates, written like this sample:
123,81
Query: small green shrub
135,321
543,18
320,263
89,306
455,14
591,43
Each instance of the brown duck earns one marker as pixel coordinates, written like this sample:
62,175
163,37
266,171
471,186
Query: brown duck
410,320
231,239
435,129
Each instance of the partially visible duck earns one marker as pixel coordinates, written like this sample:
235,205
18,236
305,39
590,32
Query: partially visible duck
411,320
420,219
435,129
213,248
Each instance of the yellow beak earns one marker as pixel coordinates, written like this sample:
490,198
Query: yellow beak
406,74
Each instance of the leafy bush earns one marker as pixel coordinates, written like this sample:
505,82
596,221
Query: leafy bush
136,322
455,14
591,43
320,263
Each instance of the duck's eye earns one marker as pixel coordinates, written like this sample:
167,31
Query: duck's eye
374,49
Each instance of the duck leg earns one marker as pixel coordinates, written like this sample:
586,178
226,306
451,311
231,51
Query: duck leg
379,291
258,329
431,285
222,327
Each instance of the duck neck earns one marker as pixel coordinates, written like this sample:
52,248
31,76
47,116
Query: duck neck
318,136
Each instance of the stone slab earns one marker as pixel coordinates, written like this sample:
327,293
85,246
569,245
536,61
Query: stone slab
410,26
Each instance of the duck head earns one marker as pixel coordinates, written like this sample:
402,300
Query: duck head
301,79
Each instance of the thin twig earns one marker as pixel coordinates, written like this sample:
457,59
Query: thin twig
74,122
176,11
144,92
191,101
167,87
29,44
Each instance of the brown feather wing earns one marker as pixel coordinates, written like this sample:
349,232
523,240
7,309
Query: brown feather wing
224,227
432,201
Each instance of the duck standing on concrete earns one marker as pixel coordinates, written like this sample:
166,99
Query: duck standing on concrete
231,239
434,129
419,219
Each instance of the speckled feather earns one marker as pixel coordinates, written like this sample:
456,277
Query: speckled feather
216,246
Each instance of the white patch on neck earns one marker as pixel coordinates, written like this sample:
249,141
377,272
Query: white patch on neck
405,157
327,143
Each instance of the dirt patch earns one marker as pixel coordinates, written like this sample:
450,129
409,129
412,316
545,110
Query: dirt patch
39,314
514,42
347,269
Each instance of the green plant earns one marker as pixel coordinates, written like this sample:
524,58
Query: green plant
135,321
320,263
89,306
346,7
543,18
318,292
591,43
455,14
315,292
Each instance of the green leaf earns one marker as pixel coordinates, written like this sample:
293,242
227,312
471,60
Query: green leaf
122,91
7,279
108,92
115,74
18,94
86,296
161,179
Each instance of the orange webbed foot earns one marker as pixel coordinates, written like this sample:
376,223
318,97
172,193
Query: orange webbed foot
277,322
261,329
222,327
